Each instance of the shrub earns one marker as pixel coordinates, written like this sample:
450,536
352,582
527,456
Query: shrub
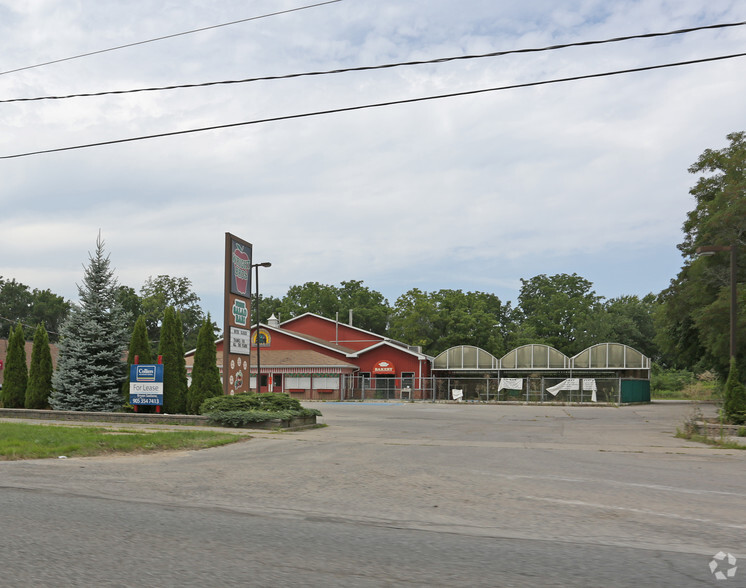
205,373
237,418
171,347
13,393
270,402
243,409
669,379
734,406
40,375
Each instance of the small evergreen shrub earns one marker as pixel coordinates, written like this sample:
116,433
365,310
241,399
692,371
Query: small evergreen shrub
271,402
13,394
205,373
40,375
243,409
734,405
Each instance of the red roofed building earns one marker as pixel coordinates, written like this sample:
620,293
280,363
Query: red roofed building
314,358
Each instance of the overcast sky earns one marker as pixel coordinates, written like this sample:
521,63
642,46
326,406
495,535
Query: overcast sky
472,192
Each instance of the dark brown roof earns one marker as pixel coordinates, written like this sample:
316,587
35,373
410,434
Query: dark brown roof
29,347
298,358
287,358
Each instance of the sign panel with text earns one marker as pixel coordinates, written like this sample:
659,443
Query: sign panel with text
237,315
240,341
146,384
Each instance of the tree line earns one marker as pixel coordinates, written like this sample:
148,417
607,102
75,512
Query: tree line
561,310
21,305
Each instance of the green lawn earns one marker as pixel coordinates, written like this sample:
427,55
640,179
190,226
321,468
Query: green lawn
24,441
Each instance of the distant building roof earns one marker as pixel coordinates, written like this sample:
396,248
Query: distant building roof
29,347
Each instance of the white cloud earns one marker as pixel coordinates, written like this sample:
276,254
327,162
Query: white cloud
472,192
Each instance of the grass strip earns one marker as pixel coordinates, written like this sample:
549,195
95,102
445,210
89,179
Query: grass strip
26,441
715,442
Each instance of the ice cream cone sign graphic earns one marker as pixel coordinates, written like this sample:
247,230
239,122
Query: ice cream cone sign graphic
241,268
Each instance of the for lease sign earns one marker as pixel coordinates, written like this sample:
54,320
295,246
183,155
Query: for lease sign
146,384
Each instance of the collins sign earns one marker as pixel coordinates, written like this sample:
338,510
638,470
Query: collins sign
146,384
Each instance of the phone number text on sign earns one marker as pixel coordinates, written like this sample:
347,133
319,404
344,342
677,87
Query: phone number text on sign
156,400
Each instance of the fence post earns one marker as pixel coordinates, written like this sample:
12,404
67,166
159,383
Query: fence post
543,387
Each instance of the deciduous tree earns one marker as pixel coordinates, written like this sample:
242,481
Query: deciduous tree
369,308
19,304
414,320
163,291
629,320
131,303
561,311
15,303
312,297
693,318
439,320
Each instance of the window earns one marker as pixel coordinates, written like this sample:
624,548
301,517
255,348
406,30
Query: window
330,383
297,382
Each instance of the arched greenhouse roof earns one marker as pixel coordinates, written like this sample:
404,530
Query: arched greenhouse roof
465,357
610,356
534,356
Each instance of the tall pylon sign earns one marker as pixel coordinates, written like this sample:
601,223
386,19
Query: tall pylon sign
237,315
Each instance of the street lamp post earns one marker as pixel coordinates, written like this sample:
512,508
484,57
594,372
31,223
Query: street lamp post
258,344
712,250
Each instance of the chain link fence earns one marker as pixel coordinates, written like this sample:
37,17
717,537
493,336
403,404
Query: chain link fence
533,389
476,389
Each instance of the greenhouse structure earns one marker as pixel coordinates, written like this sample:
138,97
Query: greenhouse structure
606,372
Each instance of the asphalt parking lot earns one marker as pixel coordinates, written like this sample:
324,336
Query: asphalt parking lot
609,489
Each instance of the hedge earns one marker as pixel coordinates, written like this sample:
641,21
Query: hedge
242,409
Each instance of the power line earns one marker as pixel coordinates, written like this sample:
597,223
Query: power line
376,105
382,66
225,24
19,322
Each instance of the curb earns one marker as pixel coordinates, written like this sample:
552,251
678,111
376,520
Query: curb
148,419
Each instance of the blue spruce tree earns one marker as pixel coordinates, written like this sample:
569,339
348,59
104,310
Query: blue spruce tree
91,366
